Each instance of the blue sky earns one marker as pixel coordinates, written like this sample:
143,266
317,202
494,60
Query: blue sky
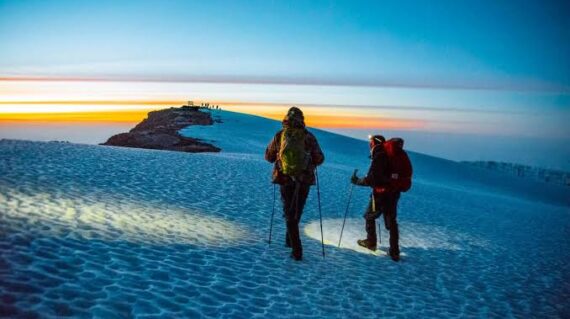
520,44
497,68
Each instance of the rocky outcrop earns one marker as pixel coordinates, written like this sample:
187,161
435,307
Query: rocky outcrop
160,131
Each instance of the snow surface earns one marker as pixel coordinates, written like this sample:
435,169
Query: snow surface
108,232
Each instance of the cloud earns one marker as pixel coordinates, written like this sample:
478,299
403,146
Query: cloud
451,84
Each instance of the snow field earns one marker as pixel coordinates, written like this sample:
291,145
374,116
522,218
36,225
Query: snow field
105,232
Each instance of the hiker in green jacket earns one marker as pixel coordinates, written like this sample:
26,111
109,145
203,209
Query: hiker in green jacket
296,153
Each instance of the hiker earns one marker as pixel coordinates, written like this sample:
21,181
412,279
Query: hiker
389,174
296,153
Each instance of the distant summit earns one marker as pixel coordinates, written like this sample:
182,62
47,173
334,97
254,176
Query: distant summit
160,131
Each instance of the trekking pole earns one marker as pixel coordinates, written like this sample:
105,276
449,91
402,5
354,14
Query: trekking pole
379,234
272,213
320,214
347,205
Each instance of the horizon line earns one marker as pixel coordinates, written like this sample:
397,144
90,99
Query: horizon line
178,103
137,115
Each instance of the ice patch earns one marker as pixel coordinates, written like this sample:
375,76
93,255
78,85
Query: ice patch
128,221
412,235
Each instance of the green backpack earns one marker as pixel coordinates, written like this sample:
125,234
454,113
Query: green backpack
294,158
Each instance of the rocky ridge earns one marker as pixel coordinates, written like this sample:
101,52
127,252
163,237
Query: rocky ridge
160,131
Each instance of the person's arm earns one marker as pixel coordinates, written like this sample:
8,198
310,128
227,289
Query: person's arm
373,171
272,149
366,180
377,175
358,181
317,156
377,166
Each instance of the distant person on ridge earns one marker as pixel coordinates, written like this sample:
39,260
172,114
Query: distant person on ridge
296,153
389,174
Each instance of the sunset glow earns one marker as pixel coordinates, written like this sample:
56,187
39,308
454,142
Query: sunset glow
52,101
328,107
133,117
58,112
481,71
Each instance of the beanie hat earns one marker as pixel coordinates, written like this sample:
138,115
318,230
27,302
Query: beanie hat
377,138
294,118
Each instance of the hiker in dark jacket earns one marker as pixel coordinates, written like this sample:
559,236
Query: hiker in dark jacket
383,200
294,179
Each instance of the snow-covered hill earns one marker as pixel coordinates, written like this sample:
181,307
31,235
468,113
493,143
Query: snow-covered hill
94,231
524,171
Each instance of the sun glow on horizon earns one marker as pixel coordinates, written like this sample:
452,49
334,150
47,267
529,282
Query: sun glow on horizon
83,102
116,116
135,111
328,107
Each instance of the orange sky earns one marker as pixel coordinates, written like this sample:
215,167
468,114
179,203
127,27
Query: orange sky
133,116
136,115
47,101
45,109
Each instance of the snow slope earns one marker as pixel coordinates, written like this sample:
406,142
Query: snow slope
94,231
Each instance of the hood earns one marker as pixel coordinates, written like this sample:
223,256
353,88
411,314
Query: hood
294,118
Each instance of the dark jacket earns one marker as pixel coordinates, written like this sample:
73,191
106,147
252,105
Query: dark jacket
378,176
311,146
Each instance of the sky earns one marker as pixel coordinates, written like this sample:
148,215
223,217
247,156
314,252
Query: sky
484,68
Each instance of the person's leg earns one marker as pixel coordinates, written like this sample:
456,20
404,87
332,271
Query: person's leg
390,219
287,239
286,196
294,197
303,194
293,223
372,212
287,192
371,236
295,240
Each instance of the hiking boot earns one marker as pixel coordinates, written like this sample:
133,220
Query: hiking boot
364,243
296,257
394,255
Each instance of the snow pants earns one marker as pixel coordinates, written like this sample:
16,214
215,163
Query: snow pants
383,204
294,196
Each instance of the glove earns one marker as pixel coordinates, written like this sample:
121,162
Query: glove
357,181
354,179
